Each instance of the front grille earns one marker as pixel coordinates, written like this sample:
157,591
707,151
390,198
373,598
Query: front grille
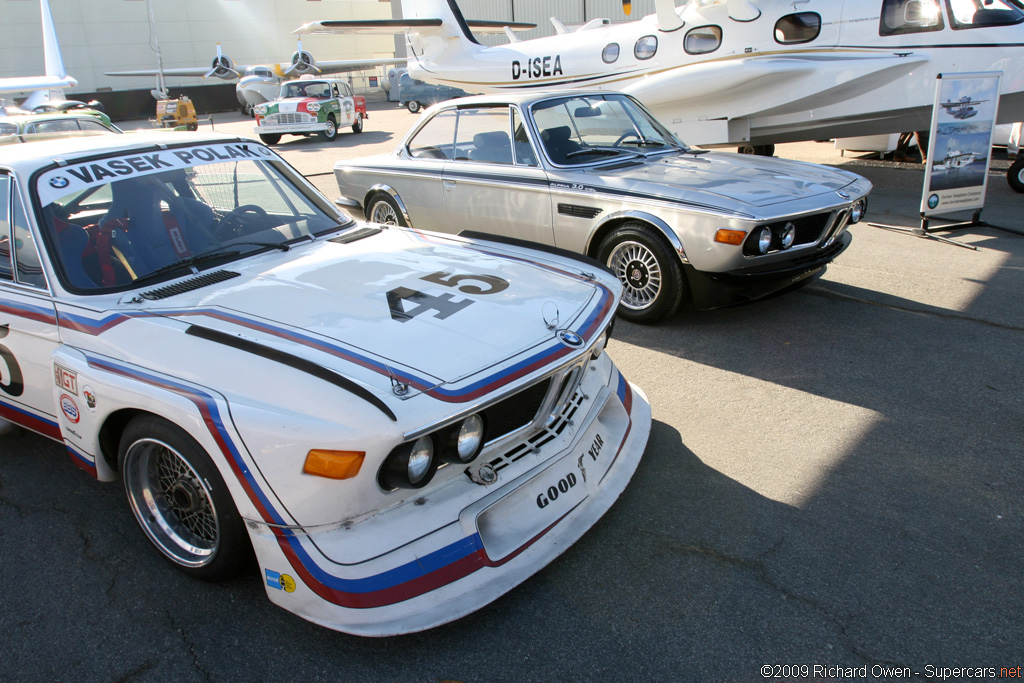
189,285
516,411
809,230
549,433
282,119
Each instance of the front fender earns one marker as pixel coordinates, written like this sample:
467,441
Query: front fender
606,224
393,193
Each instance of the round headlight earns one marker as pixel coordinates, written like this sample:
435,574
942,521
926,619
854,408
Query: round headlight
471,438
259,109
420,459
788,235
857,211
764,239
410,466
313,106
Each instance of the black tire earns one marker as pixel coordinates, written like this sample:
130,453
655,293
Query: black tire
759,150
331,131
270,138
357,127
1015,176
179,499
193,126
384,209
413,106
649,270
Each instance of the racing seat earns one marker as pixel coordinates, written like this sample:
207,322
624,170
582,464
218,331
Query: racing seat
493,147
557,143
71,242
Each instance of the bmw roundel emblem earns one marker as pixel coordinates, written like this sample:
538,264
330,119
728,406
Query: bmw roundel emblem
570,338
59,181
842,195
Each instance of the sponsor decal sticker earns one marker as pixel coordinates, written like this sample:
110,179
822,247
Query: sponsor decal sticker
282,582
90,397
70,408
66,379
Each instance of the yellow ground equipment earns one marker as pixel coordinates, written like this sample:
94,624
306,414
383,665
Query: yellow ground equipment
179,114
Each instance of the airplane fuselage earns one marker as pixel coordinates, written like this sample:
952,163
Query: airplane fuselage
717,80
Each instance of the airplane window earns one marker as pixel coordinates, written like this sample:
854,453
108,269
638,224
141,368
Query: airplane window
802,27
910,16
646,47
703,39
978,13
610,53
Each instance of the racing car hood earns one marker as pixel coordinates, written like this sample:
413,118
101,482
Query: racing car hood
725,180
418,307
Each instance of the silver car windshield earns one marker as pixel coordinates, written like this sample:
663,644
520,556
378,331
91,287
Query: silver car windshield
140,218
586,129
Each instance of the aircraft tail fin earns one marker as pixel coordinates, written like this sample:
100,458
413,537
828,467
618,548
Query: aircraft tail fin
53,60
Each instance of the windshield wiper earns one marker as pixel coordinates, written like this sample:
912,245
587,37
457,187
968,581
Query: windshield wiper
603,150
192,261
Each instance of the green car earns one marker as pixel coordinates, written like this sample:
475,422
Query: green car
29,127
310,106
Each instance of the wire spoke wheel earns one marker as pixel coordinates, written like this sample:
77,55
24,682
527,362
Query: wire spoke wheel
638,270
171,503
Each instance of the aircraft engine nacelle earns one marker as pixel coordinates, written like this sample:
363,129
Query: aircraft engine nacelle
303,63
222,66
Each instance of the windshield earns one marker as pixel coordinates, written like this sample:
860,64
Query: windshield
585,129
317,89
135,219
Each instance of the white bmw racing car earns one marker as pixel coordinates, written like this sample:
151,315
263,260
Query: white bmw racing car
399,426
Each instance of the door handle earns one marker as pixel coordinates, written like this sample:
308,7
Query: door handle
448,184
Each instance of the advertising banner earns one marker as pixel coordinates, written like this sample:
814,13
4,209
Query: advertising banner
960,145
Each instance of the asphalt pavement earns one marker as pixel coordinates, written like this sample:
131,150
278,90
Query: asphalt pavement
833,481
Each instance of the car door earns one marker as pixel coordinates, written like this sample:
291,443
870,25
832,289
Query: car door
28,324
494,183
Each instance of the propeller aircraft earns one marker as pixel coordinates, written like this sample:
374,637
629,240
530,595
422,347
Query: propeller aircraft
738,72
961,109
259,83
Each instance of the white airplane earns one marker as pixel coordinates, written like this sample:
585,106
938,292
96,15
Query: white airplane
43,88
259,83
739,72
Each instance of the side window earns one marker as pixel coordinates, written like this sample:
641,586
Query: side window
26,255
482,135
95,126
6,271
645,47
802,27
525,156
910,16
436,139
55,126
610,53
7,129
702,40
975,14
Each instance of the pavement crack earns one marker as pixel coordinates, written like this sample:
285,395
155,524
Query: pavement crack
190,645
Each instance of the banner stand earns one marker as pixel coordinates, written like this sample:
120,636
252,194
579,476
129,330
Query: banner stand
959,154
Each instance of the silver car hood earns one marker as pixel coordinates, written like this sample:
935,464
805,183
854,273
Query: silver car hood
724,180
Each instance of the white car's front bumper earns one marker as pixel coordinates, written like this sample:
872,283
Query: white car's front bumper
467,555
292,128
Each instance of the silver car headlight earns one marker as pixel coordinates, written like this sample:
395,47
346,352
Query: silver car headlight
313,107
788,235
409,466
260,109
764,239
857,210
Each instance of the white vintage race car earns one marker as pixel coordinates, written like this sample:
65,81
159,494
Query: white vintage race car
402,425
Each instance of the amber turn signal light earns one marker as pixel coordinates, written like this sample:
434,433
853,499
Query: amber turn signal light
734,237
333,464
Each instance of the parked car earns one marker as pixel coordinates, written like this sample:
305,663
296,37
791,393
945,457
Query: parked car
92,107
400,425
29,127
310,106
415,95
596,174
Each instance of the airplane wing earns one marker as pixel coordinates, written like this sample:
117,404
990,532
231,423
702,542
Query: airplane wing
29,83
196,71
774,76
387,27
343,65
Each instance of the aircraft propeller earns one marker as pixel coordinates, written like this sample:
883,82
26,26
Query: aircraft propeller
222,66
302,62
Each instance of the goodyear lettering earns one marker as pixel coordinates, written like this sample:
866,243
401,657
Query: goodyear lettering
551,495
538,67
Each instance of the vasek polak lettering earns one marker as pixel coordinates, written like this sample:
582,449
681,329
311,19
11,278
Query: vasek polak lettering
74,178
538,67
